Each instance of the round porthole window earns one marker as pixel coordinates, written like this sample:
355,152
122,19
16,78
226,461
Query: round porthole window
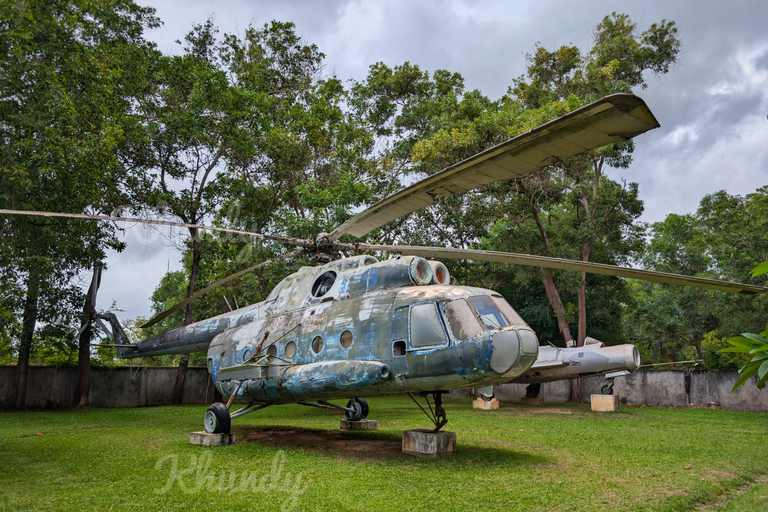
247,355
323,283
317,344
346,339
290,349
272,350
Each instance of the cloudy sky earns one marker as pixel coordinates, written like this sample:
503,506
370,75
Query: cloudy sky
712,106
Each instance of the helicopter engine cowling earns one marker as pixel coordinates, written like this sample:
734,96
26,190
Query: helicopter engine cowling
394,273
440,273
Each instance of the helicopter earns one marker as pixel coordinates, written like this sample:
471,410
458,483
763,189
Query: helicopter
357,327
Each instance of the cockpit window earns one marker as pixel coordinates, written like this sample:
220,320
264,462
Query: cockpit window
509,311
489,312
461,320
426,328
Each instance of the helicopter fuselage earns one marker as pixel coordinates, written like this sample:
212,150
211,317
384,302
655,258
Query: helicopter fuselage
359,327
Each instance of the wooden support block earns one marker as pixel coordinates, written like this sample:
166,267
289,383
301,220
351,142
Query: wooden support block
605,403
364,424
486,405
203,438
426,443
532,401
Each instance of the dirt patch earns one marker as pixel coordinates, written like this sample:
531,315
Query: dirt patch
355,444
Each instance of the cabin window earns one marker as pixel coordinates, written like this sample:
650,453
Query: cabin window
426,328
489,312
398,348
317,344
346,339
323,283
509,311
290,349
272,351
461,320
247,355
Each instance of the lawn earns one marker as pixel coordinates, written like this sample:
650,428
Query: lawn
562,457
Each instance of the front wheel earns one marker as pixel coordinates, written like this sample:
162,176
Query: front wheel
607,389
217,420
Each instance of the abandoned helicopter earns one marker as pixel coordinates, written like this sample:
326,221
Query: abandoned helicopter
357,327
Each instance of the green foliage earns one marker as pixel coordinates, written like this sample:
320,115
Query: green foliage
756,345
724,239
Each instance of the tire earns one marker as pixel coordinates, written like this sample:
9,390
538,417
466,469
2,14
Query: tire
607,389
359,409
363,406
217,420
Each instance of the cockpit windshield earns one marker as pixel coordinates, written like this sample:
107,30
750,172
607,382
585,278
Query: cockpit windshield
489,312
461,320
509,311
495,312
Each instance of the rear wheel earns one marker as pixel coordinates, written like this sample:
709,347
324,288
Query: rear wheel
359,409
217,420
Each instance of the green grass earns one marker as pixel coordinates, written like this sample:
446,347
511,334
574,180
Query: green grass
563,458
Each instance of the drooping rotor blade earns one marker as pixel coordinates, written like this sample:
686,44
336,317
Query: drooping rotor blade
613,118
213,286
298,242
564,264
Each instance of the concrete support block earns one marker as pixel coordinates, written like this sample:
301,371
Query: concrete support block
486,405
426,443
532,401
205,439
364,424
605,403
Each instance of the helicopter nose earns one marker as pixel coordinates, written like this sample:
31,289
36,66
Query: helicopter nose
511,347
506,350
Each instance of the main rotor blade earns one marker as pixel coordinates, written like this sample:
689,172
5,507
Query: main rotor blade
615,117
213,286
563,264
297,242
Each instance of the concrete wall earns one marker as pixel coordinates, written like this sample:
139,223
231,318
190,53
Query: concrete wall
49,387
675,388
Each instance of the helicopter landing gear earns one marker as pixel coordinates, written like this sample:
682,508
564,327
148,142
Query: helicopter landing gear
217,419
357,409
533,390
607,389
436,416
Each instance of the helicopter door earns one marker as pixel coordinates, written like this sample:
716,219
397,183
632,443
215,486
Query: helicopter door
399,363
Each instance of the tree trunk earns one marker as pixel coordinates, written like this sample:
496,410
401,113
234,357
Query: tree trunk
83,388
577,385
181,372
25,343
557,305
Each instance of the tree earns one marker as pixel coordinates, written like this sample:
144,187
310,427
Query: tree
62,111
